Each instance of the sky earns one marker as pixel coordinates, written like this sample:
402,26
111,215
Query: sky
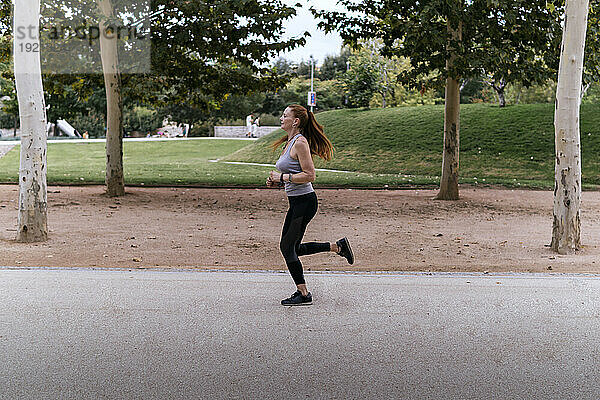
319,44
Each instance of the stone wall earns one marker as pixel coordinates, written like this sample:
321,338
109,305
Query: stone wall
240,131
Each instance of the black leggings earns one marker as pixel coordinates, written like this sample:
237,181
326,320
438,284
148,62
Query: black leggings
302,209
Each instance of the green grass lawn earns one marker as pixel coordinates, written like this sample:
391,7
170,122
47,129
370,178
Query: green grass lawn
161,163
148,163
511,146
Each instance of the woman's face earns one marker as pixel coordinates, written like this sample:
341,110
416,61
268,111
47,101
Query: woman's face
287,120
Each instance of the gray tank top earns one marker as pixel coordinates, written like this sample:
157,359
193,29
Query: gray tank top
287,165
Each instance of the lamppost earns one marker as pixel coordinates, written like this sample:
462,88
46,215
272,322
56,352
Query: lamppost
312,76
346,95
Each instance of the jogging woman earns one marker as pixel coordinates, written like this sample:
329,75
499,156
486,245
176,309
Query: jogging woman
296,171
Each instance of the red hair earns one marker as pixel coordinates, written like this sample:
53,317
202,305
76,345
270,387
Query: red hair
318,143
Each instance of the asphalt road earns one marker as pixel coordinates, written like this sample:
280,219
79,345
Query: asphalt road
85,334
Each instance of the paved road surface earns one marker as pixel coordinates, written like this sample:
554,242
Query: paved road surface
84,334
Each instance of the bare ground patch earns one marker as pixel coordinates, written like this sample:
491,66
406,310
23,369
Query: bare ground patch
487,230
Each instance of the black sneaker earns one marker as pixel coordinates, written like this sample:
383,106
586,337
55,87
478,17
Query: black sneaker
297,299
345,250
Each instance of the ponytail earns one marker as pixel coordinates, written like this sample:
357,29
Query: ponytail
318,143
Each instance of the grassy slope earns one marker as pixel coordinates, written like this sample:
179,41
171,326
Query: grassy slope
501,145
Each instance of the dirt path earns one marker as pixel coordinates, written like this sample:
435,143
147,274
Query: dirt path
487,230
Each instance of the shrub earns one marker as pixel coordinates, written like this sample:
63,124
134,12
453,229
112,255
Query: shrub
93,123
200,130
141,119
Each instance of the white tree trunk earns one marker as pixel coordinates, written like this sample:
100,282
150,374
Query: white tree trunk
449,179
115,185
33,211
566,235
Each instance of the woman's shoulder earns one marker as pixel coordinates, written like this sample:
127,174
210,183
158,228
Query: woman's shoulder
300,145
301,142
301,139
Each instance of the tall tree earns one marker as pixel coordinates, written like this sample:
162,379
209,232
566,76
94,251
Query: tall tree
384,68
334,65
566,231
283,66
537,59
445,41
115,182
100,23
361,82
204,51
449,179
33,212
